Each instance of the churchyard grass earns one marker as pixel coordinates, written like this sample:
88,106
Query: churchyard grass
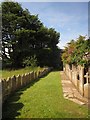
43,99
9,73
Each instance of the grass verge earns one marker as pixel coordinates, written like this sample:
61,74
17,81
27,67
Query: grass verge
10,73
43,99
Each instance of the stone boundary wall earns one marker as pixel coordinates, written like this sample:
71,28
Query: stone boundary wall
79,78
14,83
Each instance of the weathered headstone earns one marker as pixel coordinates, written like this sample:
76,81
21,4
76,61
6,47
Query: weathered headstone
87,90
87,86
81,83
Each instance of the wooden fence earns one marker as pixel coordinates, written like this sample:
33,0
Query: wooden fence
14,83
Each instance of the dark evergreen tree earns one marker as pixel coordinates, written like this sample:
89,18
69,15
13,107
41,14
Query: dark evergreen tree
24,36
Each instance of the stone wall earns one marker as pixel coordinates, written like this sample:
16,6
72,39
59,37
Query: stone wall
14,83
79,78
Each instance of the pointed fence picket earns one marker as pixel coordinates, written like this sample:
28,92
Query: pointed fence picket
14,83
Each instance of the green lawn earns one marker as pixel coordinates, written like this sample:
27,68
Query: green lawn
43,99
9,73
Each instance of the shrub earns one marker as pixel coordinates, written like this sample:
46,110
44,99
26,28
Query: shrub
30,61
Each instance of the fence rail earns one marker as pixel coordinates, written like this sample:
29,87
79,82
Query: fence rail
14,83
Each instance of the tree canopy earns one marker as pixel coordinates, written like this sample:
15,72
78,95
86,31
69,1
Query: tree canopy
24,36
75,51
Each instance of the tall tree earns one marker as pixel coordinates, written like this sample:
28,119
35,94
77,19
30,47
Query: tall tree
75,51
24,36
18,28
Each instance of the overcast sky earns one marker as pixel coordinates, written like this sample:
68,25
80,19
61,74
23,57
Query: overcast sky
68,18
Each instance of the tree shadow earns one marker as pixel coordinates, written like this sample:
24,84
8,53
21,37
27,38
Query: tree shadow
10,106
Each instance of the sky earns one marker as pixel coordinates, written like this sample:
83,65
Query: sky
68,18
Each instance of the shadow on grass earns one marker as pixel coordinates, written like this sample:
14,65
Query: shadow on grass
12,105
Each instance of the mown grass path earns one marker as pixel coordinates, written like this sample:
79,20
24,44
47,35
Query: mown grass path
43,99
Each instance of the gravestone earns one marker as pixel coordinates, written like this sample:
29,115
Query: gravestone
87,86
81,82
